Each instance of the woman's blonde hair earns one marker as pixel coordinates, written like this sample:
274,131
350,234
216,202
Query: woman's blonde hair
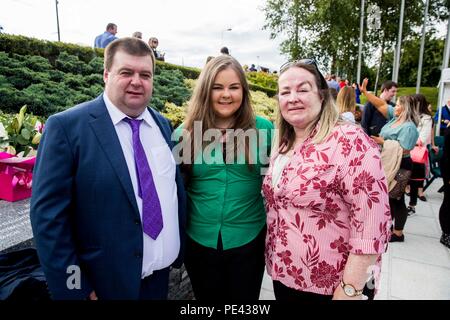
327,118
346,100
410,109
200,106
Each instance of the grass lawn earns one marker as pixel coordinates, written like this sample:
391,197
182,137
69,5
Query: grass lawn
431,93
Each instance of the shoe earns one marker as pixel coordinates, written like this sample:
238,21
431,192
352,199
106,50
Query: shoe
445,240
396,238
423,198
411,211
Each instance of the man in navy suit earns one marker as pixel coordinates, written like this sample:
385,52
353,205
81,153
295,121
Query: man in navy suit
88,200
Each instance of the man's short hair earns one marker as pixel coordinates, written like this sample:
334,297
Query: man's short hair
111,26
224,50
387,85
132,46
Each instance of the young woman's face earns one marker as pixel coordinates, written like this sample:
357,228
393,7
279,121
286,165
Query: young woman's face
298,98
227,94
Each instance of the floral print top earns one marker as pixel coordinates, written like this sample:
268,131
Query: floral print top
331,200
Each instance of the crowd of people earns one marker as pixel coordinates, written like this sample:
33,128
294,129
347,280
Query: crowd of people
122,197
102,40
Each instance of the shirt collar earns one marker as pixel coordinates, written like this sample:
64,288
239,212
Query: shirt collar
117,115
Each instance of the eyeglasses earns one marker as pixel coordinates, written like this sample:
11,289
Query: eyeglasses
307,61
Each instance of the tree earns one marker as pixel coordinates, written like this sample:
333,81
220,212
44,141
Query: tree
328,30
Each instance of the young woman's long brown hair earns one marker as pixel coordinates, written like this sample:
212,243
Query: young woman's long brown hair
200,106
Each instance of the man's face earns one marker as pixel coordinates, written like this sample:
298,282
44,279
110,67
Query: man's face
154,43
389,94
129,83
113,30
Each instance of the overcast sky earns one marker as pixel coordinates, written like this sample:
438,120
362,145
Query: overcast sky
188,31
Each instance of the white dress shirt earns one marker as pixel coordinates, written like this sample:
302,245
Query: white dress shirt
163,251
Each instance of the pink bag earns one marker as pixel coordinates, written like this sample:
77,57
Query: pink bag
419,154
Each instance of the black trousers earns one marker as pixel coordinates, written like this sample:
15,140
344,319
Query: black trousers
444,211
283,293
155,286
224,275
399,213
416,182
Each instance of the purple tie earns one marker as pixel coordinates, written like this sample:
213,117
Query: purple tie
151,208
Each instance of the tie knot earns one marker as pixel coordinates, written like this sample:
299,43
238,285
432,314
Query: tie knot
134,123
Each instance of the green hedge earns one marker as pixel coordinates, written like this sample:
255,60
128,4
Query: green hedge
47,49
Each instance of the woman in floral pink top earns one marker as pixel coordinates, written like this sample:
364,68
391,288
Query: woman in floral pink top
326,197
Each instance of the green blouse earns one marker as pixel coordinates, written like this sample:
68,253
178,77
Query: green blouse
406,133
226,197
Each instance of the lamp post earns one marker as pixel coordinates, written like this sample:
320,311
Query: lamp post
57,20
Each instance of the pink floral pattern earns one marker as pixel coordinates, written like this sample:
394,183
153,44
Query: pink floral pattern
331,200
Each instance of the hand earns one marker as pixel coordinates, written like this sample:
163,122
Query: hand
363,86
378,140
435,149
93,296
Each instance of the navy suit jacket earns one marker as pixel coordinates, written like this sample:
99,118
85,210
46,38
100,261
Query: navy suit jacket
83,209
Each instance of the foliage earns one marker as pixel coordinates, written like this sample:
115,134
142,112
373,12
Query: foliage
431,68
263,105
169,86
189,73
174,113
328,31
263,79
47,49
20,132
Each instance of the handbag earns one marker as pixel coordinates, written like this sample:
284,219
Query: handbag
419,154
401,177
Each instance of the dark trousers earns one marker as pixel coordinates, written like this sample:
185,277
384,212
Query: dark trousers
283,293
444,211
155,286
416,182
399,213
224,275
414,191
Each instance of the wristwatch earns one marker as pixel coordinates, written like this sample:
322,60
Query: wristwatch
350,290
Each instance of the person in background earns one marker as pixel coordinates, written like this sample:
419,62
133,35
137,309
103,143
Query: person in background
357,93
332,83
418,170
102,40
444,211
252,68
108,202
226,218
224,50
327,216
346,103
137,34
445,117
402,127
372,120
153,43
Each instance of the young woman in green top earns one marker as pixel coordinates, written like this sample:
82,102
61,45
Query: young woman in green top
225,149
402,127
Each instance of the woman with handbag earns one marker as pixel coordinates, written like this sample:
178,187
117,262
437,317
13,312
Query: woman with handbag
402,127
419,154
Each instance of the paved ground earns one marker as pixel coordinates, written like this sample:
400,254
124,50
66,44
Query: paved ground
417,269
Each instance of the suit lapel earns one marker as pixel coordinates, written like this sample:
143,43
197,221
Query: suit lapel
165,129
103,128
